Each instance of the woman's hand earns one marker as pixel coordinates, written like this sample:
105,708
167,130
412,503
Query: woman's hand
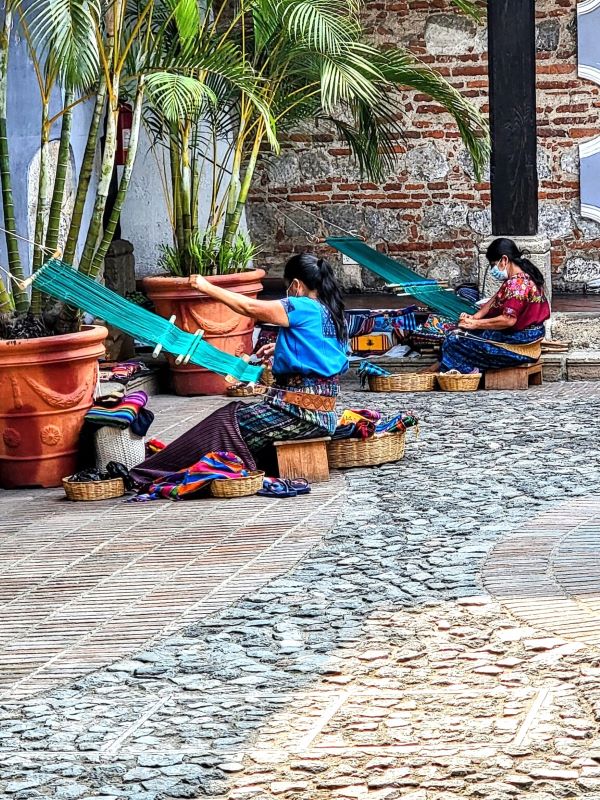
266,352
200,283
468,322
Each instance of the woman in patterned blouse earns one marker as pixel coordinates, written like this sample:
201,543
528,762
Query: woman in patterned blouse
507,331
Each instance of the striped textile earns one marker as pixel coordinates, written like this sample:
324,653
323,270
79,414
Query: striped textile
194,480
261,424
120,416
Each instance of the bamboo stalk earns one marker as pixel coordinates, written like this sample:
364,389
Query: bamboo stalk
175,184
124,183
186,186
43,202
106,170
233,220
85,173
12,245
60,179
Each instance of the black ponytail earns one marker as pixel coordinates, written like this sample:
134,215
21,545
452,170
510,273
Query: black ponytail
506,247
316,273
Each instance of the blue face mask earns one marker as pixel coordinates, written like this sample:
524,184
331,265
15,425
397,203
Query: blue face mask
498,274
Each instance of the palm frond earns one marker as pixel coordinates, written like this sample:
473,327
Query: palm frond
472,8
178,96
63,33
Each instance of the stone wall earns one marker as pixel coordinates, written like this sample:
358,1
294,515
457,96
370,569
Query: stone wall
430,212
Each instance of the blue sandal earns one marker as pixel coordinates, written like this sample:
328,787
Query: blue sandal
275,487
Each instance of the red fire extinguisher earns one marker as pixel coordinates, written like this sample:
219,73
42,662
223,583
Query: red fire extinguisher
123,132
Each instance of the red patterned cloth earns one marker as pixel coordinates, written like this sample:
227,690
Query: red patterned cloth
520,297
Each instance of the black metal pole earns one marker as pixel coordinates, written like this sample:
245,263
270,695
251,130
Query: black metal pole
514,182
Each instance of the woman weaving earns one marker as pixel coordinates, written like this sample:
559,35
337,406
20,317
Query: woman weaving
507,331
309,355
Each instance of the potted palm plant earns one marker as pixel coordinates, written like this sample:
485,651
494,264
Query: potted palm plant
85,51
312,61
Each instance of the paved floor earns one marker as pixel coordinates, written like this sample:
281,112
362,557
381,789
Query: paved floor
403,657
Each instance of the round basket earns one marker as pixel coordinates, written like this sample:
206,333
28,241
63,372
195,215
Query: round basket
245,391
120,445
238,487
94,490
347,453
457,382
404,382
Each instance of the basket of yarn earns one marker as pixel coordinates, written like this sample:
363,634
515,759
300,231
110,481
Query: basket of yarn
380,449
454,381
120,445
238,487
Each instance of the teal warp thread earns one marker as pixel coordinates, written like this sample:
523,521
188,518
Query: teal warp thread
426,290
67,284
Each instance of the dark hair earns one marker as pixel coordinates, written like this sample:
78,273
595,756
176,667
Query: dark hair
316,273
506,247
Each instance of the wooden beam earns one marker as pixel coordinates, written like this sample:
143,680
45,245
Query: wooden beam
514,182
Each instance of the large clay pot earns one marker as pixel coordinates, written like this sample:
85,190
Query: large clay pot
194,310
46,387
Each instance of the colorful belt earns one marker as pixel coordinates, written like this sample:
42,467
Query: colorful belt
311,402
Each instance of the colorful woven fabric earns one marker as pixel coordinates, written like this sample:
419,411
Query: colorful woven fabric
364,422
261,424
121,371
366,369
120,416
188,483
325,387
398,424
465,351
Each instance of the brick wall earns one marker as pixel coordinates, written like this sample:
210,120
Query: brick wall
430,211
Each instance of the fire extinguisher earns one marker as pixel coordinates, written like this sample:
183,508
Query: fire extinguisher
123,132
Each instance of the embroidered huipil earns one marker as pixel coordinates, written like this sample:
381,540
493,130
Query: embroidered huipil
308,358
520,297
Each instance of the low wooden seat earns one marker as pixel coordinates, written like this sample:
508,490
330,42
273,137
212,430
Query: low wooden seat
514,377
303,458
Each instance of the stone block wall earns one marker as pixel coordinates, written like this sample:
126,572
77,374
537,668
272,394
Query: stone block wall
430,212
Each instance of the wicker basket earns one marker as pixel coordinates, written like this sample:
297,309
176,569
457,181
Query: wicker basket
404,382
94,490
238,487
245,391
120,445
457,382
347,453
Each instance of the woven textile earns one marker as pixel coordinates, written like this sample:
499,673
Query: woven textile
122,415
262,424
465,352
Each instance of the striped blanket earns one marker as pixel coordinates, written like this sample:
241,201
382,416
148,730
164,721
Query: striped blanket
120,416
188,483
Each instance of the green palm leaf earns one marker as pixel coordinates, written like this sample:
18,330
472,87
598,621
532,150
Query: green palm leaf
63,32
178,96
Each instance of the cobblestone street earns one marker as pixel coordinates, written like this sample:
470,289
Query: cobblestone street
426,630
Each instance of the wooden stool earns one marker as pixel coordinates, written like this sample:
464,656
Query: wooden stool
514,378
303,458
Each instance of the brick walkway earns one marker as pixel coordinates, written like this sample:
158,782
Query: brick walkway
82,585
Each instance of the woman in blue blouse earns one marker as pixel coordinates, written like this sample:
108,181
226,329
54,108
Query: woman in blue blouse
310,354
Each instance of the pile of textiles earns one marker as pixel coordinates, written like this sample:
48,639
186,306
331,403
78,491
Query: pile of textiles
432,332
122,371
366,370
365,423
195,480
129,412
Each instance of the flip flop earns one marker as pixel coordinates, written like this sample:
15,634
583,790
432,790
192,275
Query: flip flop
299,485
275,487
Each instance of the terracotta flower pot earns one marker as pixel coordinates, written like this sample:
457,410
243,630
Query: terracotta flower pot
46,387
194,310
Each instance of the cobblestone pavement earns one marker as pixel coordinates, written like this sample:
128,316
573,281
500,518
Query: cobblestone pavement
389,663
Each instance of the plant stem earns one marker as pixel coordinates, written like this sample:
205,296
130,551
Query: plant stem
12,245
186,186
106,170
60,179
43,198
176,184
124,183
85,173
233,219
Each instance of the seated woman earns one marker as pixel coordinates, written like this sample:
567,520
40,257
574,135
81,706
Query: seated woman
309,355
507,331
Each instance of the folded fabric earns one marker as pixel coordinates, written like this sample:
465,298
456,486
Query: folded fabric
367,369
121,371
121,415
154,446
142,422
364,422
188,483
397,424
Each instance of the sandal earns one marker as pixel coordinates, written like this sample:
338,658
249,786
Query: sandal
275,487
299,485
